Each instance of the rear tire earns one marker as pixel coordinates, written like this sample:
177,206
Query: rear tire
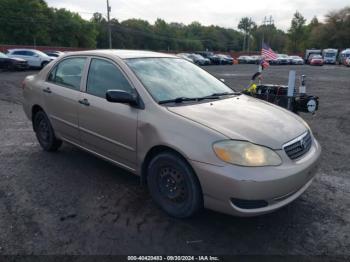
45,133
174,186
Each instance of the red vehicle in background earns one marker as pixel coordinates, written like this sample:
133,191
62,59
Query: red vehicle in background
347,62
317,60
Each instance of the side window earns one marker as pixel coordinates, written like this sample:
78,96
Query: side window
104,76
19,53
29,53
68,73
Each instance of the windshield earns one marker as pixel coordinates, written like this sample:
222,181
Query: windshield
2,55
198,56
40,53
330,55
171,78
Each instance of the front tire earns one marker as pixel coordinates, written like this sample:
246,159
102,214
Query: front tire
45,133
174,186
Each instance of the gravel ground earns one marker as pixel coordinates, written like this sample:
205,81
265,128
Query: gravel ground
70,202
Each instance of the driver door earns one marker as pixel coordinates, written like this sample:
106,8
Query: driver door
108,129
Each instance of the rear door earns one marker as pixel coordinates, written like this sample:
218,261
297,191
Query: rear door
62,94
32,58
108,129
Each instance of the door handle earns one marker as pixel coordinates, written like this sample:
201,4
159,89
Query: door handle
47,90
84,102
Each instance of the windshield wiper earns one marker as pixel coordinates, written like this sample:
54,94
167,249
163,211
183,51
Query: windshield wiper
227,94
185,99
217,95
178,100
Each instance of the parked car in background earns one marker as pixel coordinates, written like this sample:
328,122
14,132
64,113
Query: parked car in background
245,60
272,61
255,59
192,141
12,63
225,59
53,53
185,56
317,60
311,52
347,62
310,58
296,60
214,59
34,57
330,56
283,59
199,60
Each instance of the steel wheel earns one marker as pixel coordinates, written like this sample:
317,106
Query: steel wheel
44,132
173,185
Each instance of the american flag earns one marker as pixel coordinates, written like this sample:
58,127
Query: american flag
268,53
264,64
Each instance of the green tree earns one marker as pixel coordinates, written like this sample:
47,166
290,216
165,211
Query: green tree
275,38
24,22
296,33
32,22
247,26
69,29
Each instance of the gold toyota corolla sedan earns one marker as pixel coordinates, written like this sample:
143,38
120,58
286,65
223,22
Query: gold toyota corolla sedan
194,141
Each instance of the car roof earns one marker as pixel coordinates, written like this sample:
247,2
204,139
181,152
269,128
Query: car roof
123,54
23,49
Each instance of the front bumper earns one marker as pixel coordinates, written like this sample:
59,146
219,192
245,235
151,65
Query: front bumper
276,186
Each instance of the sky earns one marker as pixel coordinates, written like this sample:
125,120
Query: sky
225,13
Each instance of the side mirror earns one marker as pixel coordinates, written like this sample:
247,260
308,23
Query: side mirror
222,80
119,96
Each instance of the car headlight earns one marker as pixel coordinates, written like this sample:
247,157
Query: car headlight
244,153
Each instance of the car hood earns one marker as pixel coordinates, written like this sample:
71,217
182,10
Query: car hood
246,118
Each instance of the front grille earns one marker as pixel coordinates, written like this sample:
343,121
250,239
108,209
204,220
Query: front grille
299,147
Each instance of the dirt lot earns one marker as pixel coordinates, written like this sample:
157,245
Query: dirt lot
70,202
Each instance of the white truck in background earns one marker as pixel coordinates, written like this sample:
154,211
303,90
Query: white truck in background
330,55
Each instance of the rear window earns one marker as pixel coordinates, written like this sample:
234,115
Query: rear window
68,73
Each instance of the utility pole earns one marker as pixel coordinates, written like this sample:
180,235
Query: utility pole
109,25
267,22
249,29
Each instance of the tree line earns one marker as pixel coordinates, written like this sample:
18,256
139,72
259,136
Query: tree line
33,22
